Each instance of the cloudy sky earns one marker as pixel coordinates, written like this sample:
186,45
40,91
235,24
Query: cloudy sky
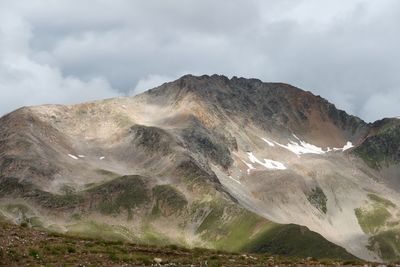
63,51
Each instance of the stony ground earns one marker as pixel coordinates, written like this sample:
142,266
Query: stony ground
23,246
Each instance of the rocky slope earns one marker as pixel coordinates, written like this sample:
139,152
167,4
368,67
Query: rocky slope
208,161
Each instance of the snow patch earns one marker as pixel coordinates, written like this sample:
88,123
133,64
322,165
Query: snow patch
298,147
268,163
101,158
72,156
302,147
81,156
268,142
348,145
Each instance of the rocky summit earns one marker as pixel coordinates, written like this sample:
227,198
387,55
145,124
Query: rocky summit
237,165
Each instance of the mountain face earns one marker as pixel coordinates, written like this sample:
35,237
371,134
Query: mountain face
233,164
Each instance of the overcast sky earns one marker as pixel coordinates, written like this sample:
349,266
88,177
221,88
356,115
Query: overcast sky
64,51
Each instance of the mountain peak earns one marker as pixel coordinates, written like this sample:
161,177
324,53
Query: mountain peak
270,106
221,83
202,143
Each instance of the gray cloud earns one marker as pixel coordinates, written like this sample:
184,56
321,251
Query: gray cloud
58,51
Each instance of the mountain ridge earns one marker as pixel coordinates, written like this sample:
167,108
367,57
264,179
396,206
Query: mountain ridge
222,148
234,89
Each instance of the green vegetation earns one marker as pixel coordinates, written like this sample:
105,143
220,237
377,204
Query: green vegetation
242,231
295,240
212,221
124,193
372,220
225,225
222,224
107,173
117,233
168,200
388,245
69,199
152,139
234,229
34,253
201,141
59,249
318,199
195,178
67,190
375,216
16,209
381,200
107,176
76,216
24,214
382,148
153,237
91,229
375,219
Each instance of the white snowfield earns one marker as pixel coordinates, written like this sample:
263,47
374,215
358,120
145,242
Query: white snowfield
268,163
72,156
301,147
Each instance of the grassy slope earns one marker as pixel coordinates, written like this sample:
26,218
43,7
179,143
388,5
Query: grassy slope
248,232
375,215
242,232
377,220
222,224
382,148
388,244
121,194
295,240
168,200
22,246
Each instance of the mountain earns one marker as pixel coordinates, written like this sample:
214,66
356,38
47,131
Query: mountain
233,164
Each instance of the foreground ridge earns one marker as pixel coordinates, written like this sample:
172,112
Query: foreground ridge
22,246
